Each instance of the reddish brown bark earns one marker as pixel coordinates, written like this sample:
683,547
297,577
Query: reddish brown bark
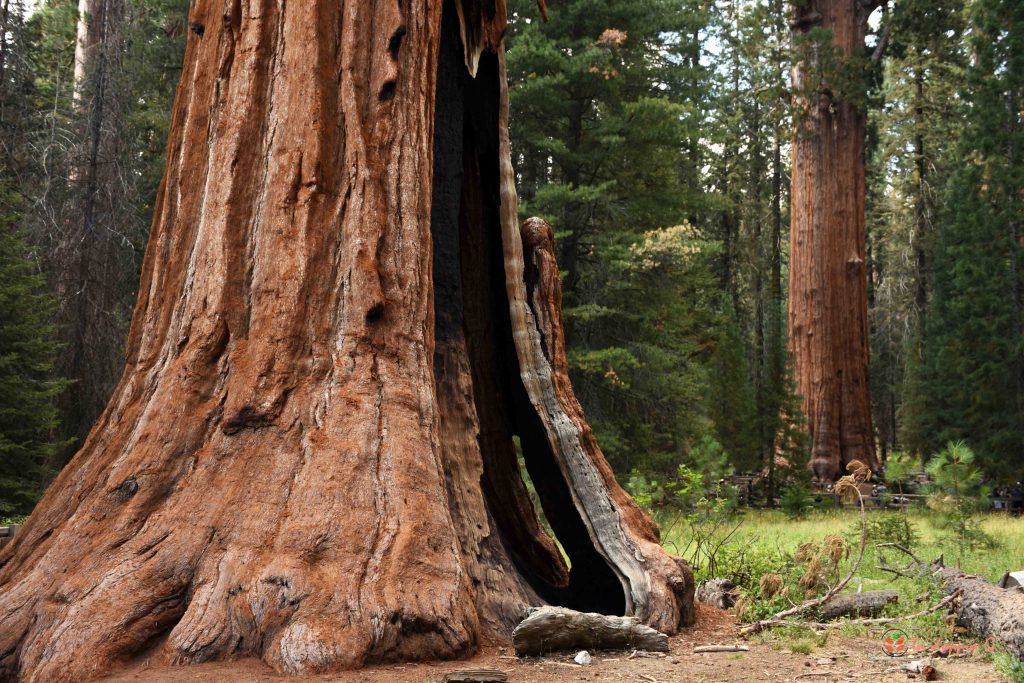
828,331
309,457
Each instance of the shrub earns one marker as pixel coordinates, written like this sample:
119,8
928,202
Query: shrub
796,500
958,494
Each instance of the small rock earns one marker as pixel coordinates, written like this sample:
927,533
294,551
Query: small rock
823,661
583,657
674,660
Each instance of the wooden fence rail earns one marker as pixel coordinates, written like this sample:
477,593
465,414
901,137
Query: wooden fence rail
7,533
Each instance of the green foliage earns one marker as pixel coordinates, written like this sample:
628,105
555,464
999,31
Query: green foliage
1009,666
958,494
605,122
733,407
788,578
711,460
638,351
900,468
974,355
27,351
796,500
887,528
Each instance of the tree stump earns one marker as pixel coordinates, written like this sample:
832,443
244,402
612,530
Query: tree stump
340,330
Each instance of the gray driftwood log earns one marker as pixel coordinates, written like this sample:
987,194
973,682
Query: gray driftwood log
987,610
867,604
550,629
717,593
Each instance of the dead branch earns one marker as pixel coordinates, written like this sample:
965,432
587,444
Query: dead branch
987,610
901,548
476,676
821,626
699,649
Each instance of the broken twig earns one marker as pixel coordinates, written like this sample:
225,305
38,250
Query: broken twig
698,649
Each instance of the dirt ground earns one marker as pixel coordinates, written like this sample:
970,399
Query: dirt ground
841,659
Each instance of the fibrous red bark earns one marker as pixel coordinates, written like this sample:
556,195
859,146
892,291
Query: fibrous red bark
340,329
828,329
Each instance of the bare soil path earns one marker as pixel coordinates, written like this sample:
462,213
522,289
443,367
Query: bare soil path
842,659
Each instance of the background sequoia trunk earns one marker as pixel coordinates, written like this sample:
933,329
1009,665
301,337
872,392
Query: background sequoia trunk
339,332
828,302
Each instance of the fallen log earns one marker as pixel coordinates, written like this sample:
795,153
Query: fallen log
867,604
548,629
717,593
987,610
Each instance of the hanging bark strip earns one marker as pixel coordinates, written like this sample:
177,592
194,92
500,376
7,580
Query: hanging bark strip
340,330
828,328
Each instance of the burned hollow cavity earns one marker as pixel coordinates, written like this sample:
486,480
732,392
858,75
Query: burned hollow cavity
471,318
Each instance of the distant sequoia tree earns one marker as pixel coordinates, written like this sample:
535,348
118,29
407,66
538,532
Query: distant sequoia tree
828,300
340,330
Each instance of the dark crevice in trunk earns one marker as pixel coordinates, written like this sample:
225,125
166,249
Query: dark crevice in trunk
470,303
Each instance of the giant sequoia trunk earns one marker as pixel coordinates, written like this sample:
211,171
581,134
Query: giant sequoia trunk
828,329
340,330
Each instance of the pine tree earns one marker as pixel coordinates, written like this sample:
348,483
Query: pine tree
910,163
606,122
748,123
94,136
975,349
28,389
28,415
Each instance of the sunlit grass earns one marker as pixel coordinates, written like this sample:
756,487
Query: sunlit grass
773,529
768,536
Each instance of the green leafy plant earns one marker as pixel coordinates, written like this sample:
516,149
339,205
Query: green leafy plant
1009,666
899,469
888,528
957,495
796,500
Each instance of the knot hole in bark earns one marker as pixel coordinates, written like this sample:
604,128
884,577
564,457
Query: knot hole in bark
375,314
126,489
395,44
388,90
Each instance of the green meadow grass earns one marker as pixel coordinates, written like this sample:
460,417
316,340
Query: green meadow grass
767,534
773,529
